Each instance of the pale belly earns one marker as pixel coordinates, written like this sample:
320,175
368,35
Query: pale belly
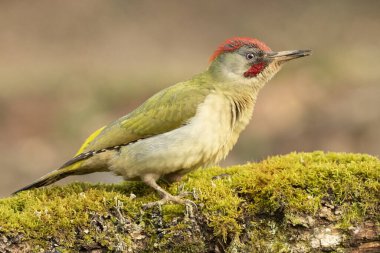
205,140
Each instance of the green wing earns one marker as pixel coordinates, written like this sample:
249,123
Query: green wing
167,110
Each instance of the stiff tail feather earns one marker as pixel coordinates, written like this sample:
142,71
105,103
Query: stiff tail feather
48,179
71,167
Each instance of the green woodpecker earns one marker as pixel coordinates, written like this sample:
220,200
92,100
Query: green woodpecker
186,126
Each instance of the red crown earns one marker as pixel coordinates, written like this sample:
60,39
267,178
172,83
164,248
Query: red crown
235,43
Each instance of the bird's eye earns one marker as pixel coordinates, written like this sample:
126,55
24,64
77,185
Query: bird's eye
249,56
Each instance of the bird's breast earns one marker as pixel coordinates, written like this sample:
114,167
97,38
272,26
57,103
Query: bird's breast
217,125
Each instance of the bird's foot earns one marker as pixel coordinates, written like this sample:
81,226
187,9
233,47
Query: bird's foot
168,198
185,193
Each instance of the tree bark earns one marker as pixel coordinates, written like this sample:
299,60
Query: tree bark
306,202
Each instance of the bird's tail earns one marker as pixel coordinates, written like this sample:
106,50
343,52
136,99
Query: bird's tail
54,176
72,167
48,179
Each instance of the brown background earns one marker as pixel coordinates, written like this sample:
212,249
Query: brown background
69,67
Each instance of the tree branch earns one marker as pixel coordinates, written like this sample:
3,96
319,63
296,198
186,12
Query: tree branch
300,202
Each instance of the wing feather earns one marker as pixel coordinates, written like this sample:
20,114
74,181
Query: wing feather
167,110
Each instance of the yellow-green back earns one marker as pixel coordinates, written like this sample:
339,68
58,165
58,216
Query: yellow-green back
167,110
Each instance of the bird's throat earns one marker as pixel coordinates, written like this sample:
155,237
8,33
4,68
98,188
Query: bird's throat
254,70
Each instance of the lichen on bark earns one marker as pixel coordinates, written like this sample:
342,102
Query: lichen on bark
300,202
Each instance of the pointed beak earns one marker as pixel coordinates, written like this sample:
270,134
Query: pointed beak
287,55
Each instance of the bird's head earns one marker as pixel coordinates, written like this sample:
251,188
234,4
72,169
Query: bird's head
249,61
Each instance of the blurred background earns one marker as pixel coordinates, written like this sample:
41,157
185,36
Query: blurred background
69,67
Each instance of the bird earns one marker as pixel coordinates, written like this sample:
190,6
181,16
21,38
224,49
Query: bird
190,125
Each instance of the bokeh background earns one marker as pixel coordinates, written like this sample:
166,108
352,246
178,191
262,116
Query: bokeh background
69,67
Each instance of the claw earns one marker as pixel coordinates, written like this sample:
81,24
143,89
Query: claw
168,198
184,194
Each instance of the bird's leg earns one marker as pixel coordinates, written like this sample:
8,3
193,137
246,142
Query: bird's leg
165,196
173,177
176,177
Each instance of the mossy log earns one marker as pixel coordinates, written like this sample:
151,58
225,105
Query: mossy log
300,202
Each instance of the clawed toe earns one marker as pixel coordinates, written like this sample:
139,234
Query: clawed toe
171,199
154,203
184,194
167,197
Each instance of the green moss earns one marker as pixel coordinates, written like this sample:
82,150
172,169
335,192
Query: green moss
291,184
64,212
281,190
169,212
